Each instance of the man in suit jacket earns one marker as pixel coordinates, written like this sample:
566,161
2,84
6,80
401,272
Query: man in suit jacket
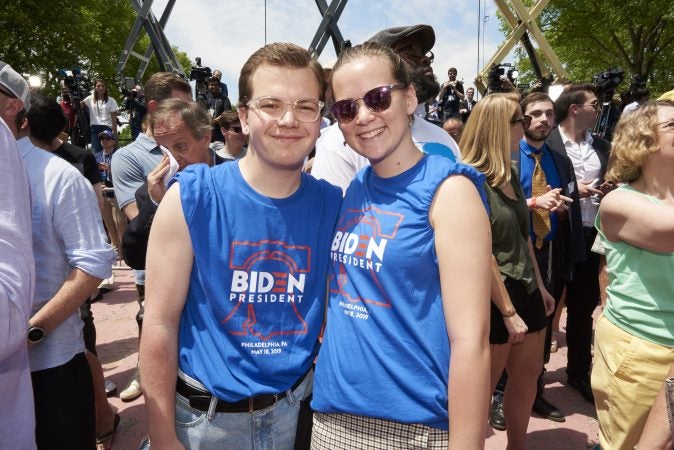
466,105
576,110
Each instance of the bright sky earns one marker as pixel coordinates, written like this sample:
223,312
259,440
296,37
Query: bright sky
224,33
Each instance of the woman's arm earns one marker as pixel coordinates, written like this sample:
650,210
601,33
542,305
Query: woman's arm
113,115
499,296
169,265
632,218
463,246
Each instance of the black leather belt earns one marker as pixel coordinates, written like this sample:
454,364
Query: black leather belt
201,400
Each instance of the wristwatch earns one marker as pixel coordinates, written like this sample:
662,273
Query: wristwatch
36,334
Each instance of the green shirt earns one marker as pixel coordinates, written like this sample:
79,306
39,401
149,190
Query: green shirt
641,288
509,219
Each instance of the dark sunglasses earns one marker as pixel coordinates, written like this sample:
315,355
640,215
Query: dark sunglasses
236,130
526,121
376,100
105,138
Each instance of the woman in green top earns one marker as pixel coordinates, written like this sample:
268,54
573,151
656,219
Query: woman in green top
634,337
520,302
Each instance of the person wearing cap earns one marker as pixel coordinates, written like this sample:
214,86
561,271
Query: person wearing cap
114,221
71,259
17,271
337,163
102,113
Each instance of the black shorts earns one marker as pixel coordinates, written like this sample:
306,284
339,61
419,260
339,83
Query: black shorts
530,308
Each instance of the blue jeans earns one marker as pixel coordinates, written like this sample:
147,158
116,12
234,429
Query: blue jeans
95,141
267,429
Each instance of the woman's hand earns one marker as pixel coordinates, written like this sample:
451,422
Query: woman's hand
516,328
548,302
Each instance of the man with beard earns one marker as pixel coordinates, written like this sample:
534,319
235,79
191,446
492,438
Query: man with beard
545,176
337,163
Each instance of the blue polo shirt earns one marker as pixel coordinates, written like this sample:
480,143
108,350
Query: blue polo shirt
527,165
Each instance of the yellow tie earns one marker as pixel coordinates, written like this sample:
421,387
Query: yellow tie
539,216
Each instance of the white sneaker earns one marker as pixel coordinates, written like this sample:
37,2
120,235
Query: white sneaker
133,390
107,284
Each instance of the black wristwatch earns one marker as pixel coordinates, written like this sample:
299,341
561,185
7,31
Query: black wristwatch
35,334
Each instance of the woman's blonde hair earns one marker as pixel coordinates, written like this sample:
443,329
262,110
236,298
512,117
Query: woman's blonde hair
486,138
634,139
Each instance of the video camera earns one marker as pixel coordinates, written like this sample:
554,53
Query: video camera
201,75
496,74
607,81
77,82
78,85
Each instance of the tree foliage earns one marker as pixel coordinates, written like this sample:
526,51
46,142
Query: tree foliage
590,36
42,37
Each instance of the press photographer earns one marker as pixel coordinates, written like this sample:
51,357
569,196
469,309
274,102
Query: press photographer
606,83
134,103
75,86
450,96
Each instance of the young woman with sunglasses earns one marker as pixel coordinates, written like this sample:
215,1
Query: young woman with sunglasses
409,281
520,302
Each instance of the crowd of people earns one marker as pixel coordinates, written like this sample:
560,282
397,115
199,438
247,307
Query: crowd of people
384,300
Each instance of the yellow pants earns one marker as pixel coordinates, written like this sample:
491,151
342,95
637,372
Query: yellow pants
627,374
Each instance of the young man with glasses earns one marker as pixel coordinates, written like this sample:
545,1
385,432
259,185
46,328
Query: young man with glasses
576,110
237,269
337,163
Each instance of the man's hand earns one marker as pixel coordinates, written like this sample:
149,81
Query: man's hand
607,187
155,180
516,328
553,200
585,189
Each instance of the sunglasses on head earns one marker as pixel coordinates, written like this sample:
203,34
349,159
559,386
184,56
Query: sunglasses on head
376,100
526,121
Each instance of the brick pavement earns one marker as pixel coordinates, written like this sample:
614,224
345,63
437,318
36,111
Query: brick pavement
118,346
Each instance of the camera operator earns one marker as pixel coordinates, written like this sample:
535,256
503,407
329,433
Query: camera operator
450,95
69,111
217,103
223,87
134,103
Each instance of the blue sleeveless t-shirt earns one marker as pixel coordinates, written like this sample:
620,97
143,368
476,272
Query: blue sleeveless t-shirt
255,304
386,349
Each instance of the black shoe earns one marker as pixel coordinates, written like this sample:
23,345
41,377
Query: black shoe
547,410
496,417
583,386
